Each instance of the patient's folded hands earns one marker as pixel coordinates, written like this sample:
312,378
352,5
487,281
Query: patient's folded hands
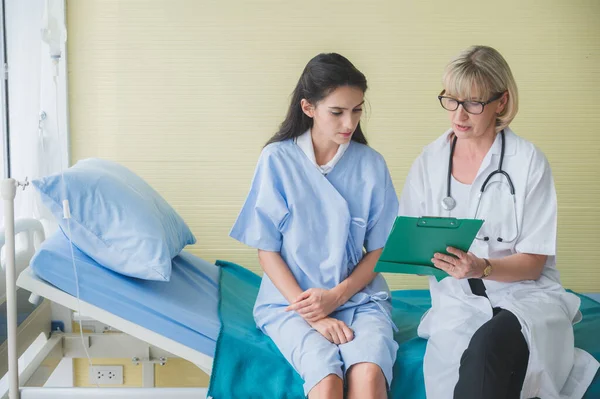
315,304
336,331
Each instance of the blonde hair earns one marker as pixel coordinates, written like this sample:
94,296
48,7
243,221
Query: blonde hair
482,72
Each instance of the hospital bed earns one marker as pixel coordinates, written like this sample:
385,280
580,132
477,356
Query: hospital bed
156,320
150,321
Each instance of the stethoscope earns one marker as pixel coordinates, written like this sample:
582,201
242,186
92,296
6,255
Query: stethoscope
449,203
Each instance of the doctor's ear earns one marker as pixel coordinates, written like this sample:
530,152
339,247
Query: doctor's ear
307,108
502,103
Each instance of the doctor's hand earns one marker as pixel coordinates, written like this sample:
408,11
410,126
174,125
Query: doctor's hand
336,331
314,304
461,265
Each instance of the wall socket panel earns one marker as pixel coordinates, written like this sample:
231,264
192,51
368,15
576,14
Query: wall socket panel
106,375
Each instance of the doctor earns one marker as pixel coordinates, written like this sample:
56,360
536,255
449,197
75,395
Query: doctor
501,325
319,197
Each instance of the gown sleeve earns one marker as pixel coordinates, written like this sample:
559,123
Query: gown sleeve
261,219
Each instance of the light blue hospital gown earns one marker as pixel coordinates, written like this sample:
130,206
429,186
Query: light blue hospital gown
320,225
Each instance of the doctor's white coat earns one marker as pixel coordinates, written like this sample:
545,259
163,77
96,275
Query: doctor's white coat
545,310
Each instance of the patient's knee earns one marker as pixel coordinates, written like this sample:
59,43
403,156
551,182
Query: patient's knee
365,372
330,387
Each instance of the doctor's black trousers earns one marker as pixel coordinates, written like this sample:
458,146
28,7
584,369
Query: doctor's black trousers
495,363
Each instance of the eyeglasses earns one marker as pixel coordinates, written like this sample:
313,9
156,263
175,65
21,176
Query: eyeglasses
472,107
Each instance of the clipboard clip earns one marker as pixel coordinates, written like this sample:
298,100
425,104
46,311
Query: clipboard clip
438,222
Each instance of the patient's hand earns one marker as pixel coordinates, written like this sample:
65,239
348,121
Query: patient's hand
315,304
334,330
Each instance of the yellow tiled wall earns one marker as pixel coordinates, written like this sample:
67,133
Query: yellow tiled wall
186,93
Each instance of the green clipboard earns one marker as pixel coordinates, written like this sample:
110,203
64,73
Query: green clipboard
413,241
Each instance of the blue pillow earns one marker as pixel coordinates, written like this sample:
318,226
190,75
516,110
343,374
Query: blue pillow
117,219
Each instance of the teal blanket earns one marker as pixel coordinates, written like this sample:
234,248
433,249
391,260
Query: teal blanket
247,363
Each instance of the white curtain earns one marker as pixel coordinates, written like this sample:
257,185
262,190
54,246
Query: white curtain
37,148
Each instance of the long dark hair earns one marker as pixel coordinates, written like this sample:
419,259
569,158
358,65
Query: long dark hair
323,74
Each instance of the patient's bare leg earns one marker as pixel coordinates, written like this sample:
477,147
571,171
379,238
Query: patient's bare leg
330,387
366,381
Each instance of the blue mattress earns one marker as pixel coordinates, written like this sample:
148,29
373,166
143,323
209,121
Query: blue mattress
183,309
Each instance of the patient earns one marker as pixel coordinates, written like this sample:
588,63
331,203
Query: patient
319,196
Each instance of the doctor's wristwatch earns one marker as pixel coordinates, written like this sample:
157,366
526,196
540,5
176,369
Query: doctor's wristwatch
488,268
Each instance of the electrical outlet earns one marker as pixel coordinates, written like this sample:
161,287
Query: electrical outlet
106,375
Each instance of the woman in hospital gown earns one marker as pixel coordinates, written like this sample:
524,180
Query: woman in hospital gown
320,208
501,325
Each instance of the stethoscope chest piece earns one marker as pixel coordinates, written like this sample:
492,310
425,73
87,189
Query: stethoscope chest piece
448,203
